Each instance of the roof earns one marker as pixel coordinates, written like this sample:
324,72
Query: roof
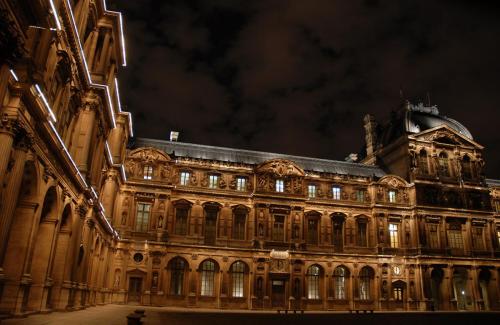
493,182
182,149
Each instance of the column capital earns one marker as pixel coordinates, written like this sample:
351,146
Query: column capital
9,125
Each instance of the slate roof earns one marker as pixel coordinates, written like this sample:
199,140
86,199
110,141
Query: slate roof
182,149
493,182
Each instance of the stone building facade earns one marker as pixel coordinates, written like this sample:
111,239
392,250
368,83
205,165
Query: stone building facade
413,225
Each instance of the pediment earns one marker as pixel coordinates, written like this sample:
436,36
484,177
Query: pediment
149,155
445,135
280,168
393,181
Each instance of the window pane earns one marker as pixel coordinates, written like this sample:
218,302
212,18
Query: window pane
477,238
313,282
393,234
148,172
278,228
279,185
177,277
311,190
181,221
455,239
142,219
392,196
207,278
185,178
238,277
340,283
336,192
362,234
241,184
213,181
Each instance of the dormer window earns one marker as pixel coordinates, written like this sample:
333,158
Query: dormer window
392,196
279,186
185,178
336,192
148,172
311,191
241,184
360,195
213,181
443,164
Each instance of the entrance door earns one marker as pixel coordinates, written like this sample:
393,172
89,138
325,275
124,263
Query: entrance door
278,293
210,227
134,290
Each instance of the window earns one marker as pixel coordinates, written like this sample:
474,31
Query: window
311,191
455,238
466,167
148,172
497,206
362,240
279,186
313,282
360,195
392,196
365,277
210,225
397,293
336,192
339,276
279,228
207,278
312,230
185,178
477,238
177,269
241,184
142,219
238,279
433,235
422,163
443,164
181,215
239,224
213,181
393,235
338,230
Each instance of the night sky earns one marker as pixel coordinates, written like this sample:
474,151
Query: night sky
297,77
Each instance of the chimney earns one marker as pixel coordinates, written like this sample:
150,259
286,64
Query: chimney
174,135
370,134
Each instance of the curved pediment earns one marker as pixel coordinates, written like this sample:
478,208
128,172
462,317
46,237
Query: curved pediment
393,181
280,168
149,155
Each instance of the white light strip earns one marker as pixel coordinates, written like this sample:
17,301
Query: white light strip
56,16
102,207
14,75
108,153
122,37
131,130
94,193
117,91
124,175
67,153
46,103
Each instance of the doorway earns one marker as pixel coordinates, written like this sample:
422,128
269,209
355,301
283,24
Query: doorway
278,293
134,290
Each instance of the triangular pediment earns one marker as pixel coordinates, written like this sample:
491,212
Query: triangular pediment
446,135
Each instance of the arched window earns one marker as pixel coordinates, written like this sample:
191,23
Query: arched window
398,291
466,167
484,280
338,231
207,269
177,270
340,284
313,275
238,279
444,169
423,164
365,282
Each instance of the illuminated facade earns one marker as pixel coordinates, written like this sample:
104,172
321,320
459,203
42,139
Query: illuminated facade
84,220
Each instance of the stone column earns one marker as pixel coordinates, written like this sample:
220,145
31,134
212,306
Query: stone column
108,194
9,198
116,140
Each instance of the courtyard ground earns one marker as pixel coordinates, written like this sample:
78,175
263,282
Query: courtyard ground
116,315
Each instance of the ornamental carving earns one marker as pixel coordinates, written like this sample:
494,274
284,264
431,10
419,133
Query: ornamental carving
393,181
443,134
156,159
280,168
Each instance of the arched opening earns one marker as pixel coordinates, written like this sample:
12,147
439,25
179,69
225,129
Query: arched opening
423,163
399,293
444,168
238,273
314,273
177,267
340,280
437,275
460,287
365,283
208,270
466,167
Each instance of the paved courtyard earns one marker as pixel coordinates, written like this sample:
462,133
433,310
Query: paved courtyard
116,315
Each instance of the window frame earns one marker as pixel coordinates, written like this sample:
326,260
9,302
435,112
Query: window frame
394,239
238,271
213,181
177,276
280,185
144,215
147,172
207,278
392,196
336,192
311,191
278,233
241,183
313,282
185,177
182,229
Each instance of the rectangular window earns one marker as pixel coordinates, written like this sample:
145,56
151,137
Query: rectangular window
148,172
392,196
455,239
239,226
279,185
142,219
433,235
213,181
394,235
360,195
312,231
398,294
238,282
477,238
185,178
241,184
311,191
362,234
181,215
279,228
336,192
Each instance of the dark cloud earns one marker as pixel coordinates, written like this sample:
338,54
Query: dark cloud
297,77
